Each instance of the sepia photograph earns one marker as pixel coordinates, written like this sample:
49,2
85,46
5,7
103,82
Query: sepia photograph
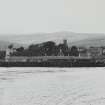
52,52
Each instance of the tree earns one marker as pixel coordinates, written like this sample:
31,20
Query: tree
74,51
33,47
34,50
20,49
49,48
10,46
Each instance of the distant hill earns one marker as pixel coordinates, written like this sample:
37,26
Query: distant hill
42,37
98,41
79,39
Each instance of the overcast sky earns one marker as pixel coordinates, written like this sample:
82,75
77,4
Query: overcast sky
34,16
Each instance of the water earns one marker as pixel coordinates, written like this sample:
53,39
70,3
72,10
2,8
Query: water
52,86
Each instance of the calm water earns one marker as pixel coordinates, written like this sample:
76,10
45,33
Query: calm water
52,86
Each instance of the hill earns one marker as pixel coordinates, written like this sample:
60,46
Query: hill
97,42
4,44
79,39
42,37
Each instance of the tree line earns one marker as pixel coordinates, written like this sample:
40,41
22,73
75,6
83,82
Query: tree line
48,48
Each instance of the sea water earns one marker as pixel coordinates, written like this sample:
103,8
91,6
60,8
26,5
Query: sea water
52,86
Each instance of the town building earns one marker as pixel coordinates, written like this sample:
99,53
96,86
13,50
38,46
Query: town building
95,51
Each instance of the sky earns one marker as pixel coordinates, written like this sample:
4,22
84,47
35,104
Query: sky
43,16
